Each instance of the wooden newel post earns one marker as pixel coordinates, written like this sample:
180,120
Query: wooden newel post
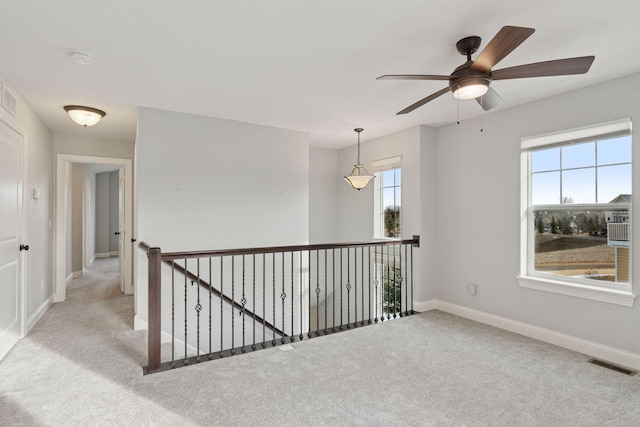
154,312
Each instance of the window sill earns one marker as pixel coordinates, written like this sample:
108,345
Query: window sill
611,296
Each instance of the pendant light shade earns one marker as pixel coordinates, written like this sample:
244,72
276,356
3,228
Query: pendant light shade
84,116
359,177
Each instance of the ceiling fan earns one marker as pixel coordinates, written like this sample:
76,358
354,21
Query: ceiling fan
472,79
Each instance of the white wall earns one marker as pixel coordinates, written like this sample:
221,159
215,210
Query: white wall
324,181
87,146
39,235
206,183
478,214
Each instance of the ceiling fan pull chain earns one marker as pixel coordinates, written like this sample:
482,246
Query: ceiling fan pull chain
482,116
458,110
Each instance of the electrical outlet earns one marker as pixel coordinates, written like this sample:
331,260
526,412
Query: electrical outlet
472,289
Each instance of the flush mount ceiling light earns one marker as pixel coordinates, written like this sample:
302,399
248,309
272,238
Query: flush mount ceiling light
358,179
84,116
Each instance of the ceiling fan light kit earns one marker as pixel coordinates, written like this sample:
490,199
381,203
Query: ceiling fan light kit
472,79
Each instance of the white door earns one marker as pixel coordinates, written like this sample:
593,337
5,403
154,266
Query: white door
10,238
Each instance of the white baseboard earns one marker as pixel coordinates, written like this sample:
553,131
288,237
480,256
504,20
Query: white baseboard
114,253
37,315
103,255
68,279
422,306
594,349
77,274
140,325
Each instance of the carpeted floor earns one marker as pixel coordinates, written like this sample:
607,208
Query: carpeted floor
81,366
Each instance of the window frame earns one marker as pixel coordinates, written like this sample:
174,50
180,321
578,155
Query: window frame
609,292
380,166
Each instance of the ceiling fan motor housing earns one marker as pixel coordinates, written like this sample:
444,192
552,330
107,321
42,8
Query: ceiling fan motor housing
463,76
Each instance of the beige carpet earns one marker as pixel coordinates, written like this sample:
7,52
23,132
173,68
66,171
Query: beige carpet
81,366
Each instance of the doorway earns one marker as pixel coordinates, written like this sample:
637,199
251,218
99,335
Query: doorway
91,234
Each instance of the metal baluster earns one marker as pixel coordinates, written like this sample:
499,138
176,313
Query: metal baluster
301,293
283,296
173,314
317,293
293,337
243,301
388,282
341,309
362,284
221,306
369,275
400,280
210,324
394,281
375,281
355,286
185,313
325,291
348,288
198,308
273,314
411,278
264,298
406,291
333,295
233,304
309,306
253,301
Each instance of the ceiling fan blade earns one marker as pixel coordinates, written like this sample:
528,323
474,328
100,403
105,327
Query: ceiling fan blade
423,101
489,100
413,77
559,67
507,39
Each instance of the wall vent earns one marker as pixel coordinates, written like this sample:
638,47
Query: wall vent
613,367
9,100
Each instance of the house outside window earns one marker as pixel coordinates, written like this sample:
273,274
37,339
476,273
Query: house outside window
387,198
576,200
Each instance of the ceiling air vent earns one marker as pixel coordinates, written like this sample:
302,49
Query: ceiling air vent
9,100
613,367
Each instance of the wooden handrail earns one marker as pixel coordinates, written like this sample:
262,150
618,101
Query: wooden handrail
415,242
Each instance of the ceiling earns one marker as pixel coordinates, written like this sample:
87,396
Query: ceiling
305,65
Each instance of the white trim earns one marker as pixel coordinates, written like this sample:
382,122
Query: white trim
114,253
141,325
583,133
388,163
68,280
77,274
40,311
594,349
422,306
103,255
60,217
608,295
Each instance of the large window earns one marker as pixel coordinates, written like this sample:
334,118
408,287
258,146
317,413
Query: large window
577,202
387,199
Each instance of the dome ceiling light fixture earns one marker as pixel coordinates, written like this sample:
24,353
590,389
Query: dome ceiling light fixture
84,116
357,179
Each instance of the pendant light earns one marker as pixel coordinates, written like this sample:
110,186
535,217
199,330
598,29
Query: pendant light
84,116
358,179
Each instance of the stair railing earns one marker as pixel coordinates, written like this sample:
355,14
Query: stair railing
282,294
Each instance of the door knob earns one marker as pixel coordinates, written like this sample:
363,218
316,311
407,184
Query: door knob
24,247
117,233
